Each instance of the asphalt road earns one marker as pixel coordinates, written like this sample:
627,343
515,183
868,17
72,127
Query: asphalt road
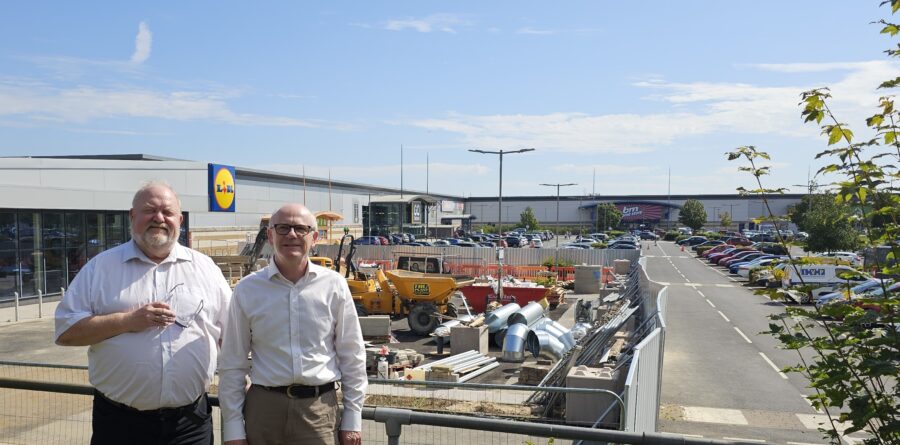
721,376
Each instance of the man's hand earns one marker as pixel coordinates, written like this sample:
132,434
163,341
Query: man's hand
350,438
236,442
153,315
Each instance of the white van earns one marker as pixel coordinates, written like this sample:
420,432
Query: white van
825,278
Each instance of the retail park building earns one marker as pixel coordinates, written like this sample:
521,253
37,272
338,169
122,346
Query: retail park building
57,212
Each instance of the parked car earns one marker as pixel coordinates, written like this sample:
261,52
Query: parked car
842,294
367,241
648,235
710,243
771,248
738,241
743,270
850,257
513,241
599,236
692,241
824,278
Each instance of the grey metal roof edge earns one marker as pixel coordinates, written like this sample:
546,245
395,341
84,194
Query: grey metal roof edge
633,198
111,157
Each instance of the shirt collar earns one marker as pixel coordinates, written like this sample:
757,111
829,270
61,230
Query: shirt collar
132,251
311,269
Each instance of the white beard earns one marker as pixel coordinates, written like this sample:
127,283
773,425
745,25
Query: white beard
154,240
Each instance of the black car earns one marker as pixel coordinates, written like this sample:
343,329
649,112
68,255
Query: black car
772,248
648,235
694,240
513,241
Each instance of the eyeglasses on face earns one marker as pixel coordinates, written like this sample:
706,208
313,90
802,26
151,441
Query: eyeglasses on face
299,229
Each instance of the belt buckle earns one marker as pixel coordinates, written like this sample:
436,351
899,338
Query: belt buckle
288,392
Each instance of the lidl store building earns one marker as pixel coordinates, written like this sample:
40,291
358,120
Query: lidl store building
58,212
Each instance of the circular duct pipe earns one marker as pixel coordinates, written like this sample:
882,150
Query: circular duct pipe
497,319
514,343
529,314
560,332
542,344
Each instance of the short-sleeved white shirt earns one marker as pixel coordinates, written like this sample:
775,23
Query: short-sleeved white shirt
157,367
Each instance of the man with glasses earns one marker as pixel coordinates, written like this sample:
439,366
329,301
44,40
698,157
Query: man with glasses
298,322
152,312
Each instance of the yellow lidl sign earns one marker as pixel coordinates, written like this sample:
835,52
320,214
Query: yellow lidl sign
221,188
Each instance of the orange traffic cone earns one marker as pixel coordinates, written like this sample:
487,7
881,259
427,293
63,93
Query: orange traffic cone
682,247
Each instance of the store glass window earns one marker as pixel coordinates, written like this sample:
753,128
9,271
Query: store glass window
7,231
27,222
8,274
52,231
54,271
115,229
94,234
75,230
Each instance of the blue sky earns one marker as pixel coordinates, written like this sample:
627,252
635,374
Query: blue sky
624,90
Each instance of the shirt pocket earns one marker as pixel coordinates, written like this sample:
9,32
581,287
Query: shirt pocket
189,305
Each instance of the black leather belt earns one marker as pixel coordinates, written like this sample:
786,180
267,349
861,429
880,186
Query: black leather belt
161,412
300,391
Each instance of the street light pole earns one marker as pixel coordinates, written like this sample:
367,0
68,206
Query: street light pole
556,253
500,153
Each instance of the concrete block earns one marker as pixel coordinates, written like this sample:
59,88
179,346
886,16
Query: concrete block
375,326
620,267
588,279
585,409
466,338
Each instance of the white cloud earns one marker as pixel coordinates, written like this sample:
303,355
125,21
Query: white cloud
435,22
142,44
84,104
696,109
813,67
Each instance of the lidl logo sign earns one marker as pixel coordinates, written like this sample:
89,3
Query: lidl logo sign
221,188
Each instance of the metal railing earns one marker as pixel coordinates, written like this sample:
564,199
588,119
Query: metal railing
395,420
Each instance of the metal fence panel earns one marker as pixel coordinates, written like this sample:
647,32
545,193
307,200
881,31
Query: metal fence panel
641,385
514,257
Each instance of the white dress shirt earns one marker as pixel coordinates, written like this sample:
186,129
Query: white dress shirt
158,367
303,333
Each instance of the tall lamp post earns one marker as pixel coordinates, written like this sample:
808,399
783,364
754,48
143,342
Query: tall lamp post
556,252
557,205
500,153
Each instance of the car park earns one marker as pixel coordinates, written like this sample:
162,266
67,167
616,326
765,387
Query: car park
648,236
710,243
367,241
743,270
742,258
692,241
849,257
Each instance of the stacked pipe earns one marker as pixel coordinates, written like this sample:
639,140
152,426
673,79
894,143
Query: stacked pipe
542,337
594,344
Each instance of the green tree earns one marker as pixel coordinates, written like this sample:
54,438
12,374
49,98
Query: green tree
692,214
853,368
725,220
797,212
528,220
608,216
829,225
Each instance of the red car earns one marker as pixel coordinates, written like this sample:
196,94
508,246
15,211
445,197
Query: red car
738,241
735,254
716,249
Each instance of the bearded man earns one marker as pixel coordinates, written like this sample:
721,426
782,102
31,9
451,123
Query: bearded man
153,314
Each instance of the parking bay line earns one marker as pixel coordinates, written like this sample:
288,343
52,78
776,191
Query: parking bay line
741,439
783,375
742,335
711,303
723,315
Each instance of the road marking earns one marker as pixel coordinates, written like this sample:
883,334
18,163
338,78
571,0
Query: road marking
814,421
723,315
714,415
783,375
710,303
724,285
701,294
741,439
696,436
742,335
800,443
810,402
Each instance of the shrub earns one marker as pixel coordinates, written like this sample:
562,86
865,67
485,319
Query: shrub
671,235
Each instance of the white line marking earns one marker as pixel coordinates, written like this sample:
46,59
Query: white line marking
687,280
783,375
723,315
701,294
742,335
724,285
710,303
741,439
696,436
819,411
714,415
